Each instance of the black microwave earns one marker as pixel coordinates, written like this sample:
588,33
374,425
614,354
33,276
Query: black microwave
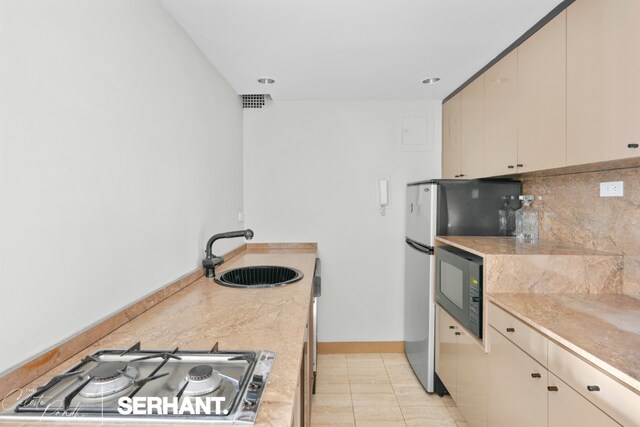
459,286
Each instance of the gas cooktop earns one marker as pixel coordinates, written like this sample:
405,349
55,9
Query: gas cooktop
154,385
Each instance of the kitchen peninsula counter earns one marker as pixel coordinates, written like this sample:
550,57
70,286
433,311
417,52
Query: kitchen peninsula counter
204,313
570,294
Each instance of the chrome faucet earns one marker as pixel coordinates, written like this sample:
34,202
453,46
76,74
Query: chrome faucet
210,261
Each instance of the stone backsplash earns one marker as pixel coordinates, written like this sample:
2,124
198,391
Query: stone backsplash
572,212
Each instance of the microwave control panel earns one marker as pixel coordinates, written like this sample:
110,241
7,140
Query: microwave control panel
475,304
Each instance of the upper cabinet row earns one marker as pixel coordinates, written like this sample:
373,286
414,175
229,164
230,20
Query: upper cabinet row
568,95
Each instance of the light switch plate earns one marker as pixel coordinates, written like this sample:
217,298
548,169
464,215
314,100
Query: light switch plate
612,189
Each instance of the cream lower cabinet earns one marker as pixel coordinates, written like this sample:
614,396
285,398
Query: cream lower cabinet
302,404
462,366
446,351
298,416
517,386
567,408
472,380
535,382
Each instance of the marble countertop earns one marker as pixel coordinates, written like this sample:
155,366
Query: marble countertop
238,319
603,329
490,245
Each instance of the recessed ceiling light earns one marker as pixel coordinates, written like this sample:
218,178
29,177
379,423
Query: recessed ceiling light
266,81
431,80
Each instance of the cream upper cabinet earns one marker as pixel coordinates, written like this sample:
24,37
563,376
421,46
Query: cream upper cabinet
542,98
501,116
451,138
472,130
603,80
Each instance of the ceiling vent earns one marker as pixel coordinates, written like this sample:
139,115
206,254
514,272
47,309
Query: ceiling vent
255,100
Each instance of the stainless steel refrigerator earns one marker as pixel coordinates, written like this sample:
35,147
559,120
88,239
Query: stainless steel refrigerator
440,208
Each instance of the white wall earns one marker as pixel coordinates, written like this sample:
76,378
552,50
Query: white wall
120,154
310,173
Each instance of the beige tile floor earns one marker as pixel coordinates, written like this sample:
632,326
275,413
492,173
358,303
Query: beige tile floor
376,389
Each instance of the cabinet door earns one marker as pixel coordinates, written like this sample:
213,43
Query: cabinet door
517,392
472,380
501,116
603,80
446,357
567,408
542,98
451,138
472,130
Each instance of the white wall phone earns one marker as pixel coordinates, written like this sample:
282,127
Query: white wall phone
383,194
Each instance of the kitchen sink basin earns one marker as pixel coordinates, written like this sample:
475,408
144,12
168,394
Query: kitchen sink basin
260,276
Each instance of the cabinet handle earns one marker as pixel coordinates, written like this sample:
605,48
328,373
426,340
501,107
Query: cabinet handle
457,176
520,165
510,167
535,375
461,175
552,388
458,333
452,327
632,145
593,388
511,330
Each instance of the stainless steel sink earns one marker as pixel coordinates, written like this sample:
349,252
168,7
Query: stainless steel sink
259,276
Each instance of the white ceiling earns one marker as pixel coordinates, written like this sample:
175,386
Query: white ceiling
354,49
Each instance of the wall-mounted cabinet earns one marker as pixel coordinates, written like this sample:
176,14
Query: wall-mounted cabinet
501,116
513,117
472,130
542,98
603,80
451,138
463,133
567,95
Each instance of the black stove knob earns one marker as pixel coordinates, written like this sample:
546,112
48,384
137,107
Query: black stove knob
251,398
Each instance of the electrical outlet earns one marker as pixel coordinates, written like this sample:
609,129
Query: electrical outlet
612,189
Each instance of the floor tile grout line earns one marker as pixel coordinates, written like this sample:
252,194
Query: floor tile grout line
353,408
388,367
394,390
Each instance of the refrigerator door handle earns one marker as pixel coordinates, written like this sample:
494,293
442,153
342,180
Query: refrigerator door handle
418,247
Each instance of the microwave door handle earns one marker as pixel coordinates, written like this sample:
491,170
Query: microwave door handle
420,248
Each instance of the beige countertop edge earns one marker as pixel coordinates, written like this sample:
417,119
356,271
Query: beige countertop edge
282,330
614,372
504,246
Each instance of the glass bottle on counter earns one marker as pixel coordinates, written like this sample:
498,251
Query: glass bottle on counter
507,217
527,221
502,217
